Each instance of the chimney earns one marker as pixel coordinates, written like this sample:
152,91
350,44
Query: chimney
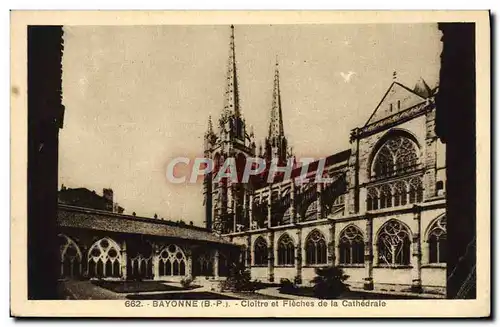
107,193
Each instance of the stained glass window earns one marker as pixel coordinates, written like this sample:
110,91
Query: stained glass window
398,154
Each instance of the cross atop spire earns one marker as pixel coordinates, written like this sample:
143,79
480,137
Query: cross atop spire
276,118
231,100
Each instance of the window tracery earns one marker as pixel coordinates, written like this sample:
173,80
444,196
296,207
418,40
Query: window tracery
286,251
393,244
260,251
437,241
104,259
352,246
315,248
397,155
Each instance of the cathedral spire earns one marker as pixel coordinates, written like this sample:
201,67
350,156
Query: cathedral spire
210,128
231,101
276,120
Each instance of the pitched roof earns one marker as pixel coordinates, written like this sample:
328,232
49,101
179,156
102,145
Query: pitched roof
77,217
403,95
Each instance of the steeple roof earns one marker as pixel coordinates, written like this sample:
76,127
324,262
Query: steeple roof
276,118
231,100
422,88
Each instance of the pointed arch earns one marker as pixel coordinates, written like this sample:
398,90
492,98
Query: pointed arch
172,261
351,245
436,238
260,251
140,260
394,243
398,151
286,250
385,196
400,193
101,259
416,190
316,249
372,198
70,257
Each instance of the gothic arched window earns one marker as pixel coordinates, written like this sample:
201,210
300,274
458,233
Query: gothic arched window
172,261
104,259
385,196
204,263
352,246
71,257
372,198
286,251
400,194
437,241
260,252
416,190
393,244
140,261
315,248
398,154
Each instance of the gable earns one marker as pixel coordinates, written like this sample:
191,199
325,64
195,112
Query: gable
397,98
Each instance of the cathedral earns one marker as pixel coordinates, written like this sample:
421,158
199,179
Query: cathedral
381,217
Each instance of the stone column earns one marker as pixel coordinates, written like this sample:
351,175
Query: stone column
156,261
123,260
189,262
298,256
269,205
416,258
270,257
368,283
250,212
249,251
319,202
331,245
430,156
234,205
293,214
216,263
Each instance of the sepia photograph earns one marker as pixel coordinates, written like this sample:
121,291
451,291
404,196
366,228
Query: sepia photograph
246,165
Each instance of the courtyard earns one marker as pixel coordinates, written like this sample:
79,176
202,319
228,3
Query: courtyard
204,290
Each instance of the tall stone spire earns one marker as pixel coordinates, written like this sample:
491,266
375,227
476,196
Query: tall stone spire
231,100
276,142
276,119
210,128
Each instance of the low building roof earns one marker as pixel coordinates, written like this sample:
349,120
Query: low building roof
86,218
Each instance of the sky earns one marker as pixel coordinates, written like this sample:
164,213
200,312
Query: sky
138,96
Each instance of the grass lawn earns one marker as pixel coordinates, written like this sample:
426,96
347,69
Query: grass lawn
137,286
308,292
181,296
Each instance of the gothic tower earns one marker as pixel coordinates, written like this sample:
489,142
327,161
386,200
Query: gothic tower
276,144
226,201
